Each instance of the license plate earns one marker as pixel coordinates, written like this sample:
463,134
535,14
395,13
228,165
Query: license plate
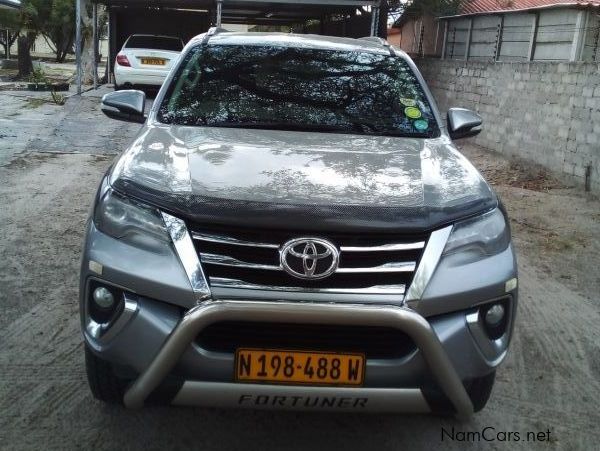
299,367
153,61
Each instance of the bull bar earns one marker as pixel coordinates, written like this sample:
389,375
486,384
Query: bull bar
209,312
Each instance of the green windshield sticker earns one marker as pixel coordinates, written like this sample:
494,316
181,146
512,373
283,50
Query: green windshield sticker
421,124
412,112
408,102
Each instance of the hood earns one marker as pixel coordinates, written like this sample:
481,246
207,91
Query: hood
301,180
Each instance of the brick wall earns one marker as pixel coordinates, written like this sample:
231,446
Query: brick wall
547,113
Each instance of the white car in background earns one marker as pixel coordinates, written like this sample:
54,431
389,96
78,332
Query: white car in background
145,60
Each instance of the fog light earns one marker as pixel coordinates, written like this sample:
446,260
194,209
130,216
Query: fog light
494,315
103,298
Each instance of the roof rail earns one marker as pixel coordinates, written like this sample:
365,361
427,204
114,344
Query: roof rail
215,30
375,39
211,32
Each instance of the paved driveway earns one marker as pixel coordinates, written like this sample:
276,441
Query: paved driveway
51,160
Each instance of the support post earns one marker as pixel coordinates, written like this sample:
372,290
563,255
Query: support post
382,19
110,60
534,28
95,37
437,37
596,44
421,36
219,12
374,19
78,43
445,39
468,42
578,36
499,32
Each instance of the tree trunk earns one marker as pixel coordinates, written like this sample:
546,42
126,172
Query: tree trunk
87,49
25,63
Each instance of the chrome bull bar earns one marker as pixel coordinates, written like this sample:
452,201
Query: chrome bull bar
209,312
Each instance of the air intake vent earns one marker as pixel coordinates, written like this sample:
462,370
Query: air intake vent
375,342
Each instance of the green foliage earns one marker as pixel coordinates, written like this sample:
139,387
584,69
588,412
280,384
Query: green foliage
38,76
53,19
57,98
434,7
34,13
10,18
60,27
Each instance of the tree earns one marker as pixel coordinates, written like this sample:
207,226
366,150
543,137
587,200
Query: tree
52,19
435,8
30,21
87,48
10,25
24,62
59,28
30,18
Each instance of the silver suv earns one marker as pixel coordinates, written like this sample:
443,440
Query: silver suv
293,228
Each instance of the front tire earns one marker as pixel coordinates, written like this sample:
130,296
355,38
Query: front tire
479,390
103,382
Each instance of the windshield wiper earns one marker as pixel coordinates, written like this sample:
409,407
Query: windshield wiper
323,128
280,126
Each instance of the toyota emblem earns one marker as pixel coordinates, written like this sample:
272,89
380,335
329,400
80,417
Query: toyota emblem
309,258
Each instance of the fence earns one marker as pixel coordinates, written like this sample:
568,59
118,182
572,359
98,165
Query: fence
545,112
549,35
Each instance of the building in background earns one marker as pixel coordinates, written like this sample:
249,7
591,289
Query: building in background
508,30
188,18
417,35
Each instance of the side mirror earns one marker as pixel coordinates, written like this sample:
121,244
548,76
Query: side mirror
125,105
463,123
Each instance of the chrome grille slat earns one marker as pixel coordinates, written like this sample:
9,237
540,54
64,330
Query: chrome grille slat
224,260
239,258
224,282
230,240
214,259
385,247
381,248
388,267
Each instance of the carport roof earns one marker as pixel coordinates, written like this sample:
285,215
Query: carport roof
256,11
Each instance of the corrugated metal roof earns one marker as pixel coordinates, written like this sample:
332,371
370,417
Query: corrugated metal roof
487,6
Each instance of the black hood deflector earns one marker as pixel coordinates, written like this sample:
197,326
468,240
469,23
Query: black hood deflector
301,181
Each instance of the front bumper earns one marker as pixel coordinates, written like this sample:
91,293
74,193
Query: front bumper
214,311
153,340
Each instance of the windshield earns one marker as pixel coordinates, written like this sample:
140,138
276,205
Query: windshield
285,88
154,42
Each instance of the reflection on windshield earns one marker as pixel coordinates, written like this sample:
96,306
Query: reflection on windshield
290,88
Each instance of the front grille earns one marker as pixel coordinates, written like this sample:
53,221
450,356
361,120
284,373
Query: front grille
374,342
369,264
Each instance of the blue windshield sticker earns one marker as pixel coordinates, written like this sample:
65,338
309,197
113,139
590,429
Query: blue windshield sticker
421,124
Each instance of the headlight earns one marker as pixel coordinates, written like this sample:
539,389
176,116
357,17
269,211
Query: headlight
130,221
477,238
